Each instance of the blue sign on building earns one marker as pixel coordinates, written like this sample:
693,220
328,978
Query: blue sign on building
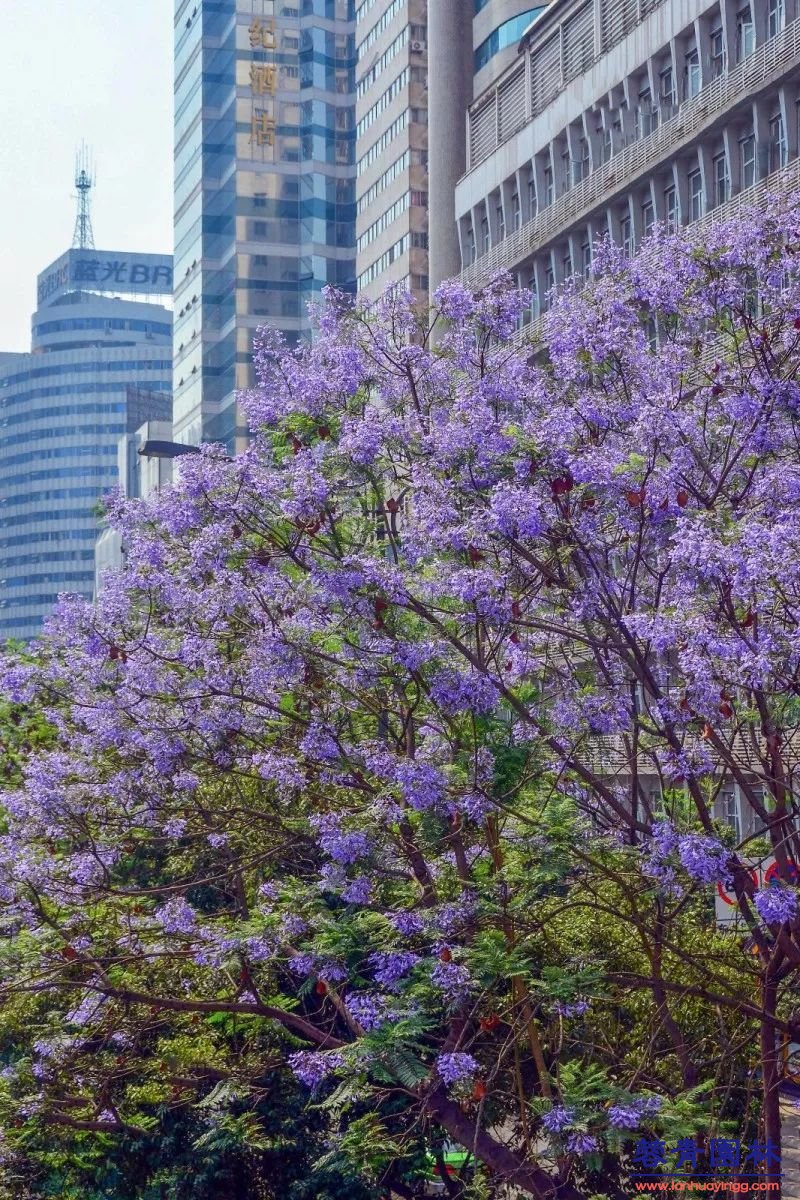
106,271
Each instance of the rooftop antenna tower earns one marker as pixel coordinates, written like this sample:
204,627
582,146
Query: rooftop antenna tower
83,237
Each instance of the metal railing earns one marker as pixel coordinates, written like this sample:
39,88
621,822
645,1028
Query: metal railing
785,180
769,60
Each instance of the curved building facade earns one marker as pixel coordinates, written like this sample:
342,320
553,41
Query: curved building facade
99,366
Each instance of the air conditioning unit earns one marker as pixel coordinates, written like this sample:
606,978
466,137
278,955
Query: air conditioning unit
419,47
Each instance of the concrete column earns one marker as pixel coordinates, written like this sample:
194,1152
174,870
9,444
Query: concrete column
449,95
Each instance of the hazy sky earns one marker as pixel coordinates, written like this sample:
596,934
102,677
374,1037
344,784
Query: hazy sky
73,70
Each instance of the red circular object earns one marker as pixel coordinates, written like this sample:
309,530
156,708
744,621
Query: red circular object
726,898
791,874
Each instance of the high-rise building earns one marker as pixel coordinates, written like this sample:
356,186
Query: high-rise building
392,146
617,114
264,188
471,44
100,364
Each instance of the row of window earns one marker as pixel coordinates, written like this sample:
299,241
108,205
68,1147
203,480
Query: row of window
411,199
380,25
54,556
398,84
754,161
389,256
92,451
127,364
50,434
377,148
59,413
70,323
44,497
377,68
48,535
629,222
82,389
413,158
21,581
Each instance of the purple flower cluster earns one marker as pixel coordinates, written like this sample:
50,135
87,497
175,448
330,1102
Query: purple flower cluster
343,846
558,1119
582,1143
456,1067
453,980
629,1115
389,967
312,1067
370,1009
572,1008
776,904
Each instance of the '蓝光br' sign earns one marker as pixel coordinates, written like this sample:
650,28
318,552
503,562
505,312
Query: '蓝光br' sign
106,271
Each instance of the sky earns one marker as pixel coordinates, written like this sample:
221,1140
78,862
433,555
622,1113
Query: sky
72,71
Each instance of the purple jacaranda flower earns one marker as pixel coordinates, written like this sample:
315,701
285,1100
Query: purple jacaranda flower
453,980
703,858
390,966
407,923
456,1067
358,891
629,1115
312,1067
177,916
370,1009
571,1008
342,845
558,1119
776,904
582,1143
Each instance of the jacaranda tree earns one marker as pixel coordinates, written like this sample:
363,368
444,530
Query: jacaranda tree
391,764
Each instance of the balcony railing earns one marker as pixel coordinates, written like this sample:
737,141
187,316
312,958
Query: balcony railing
768,61
784,181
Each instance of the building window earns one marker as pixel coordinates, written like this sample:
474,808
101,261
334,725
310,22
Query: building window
671,208
745,33
580,165
534,296
608,144
549,284
501,221
648,217
472,252
692,74
747,148
646,114
532,205
695,188
548,186
777,143
586,259
730,811
626,232
717,52
776,17
516,211
419,241
722,181
485,239
667,80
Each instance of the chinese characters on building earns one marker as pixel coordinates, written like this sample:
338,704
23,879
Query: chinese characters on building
263,82
105,271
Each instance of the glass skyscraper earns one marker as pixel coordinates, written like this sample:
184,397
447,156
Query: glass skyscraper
264,188
100,365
